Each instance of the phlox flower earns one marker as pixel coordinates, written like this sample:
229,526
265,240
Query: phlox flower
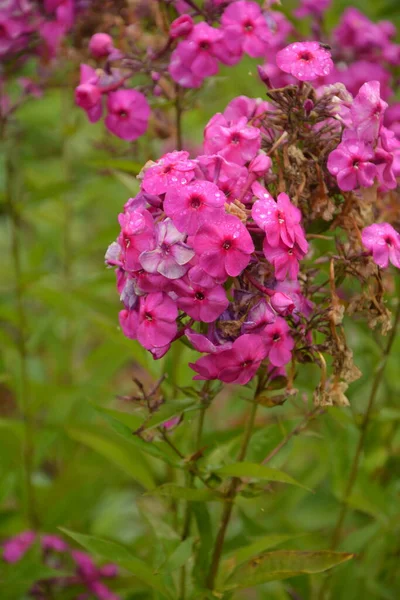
204,304
88,93
171,255
280,220
383,242
384,158
154,325
305,60
245,22
228,176
243,106
279,342
171,169
128,114
258,317
237,142
15,548
284,259
137,235
367,111
191,205
352,164
223,247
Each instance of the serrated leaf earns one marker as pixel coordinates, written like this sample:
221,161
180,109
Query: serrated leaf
170,490
120,555
253,470
130,462
282,564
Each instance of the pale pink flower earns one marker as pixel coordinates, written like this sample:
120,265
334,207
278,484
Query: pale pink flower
128,114
171,255
191,205
224,247
383,242
305,60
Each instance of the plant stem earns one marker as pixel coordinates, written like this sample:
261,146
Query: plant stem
12,177
230,496
190,481
178,117
363,432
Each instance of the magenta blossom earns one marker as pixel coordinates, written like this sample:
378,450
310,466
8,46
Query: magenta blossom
172,169
101,45
88,93
15,548
282,304
201,303
279,342
191,205
367,111
244,21
237,142
181,27
305,60
195,58
224,247
154,326
137,235
280,220
383,242
128,114
352,164
284,259
171,255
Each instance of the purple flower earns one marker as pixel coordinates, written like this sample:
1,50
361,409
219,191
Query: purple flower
352,164
279,342
367,111
305,60
244,21
237,142
171,255
224,247
15,548
172,169
258,317
204,304
88,94
383,242
191,205
128,114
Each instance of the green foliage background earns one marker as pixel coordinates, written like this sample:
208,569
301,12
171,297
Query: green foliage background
90,479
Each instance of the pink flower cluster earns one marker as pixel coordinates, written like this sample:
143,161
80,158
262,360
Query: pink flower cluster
187,256
57,554
368,152
22,20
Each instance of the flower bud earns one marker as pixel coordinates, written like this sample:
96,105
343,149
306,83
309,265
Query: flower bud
155,76
157,91
181,27
263,75
87,95
260,165
100,45
282,303
308,106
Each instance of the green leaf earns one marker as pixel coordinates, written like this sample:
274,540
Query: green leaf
170,490
122,423
282,564
253,470
129,461
264,543
118,554
169,410
179,556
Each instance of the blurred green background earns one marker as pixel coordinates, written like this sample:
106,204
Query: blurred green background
69,180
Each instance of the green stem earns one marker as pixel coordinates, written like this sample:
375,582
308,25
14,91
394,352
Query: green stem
363,432
229,497
12,177
178,117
